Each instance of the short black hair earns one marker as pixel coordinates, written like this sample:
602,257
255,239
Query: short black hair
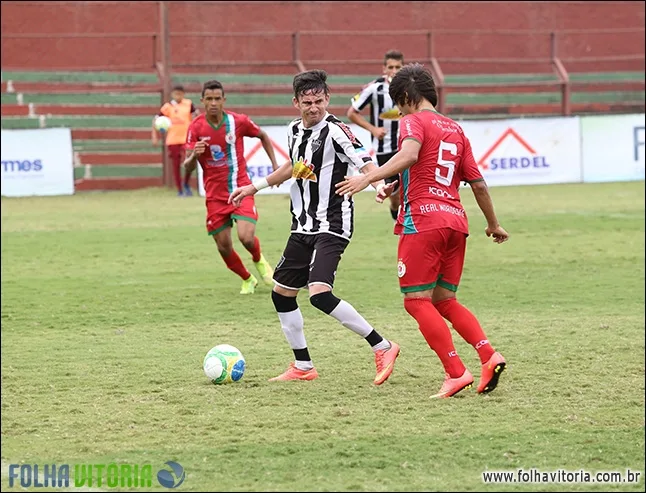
178,87
312,80
393,55
212,84
412,83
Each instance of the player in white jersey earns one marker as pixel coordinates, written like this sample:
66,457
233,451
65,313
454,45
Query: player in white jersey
384,117
322,150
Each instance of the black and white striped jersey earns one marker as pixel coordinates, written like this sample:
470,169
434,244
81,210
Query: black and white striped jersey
383,113
321,157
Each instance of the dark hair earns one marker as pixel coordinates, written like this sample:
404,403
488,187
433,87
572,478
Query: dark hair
411,84
393,55
212,84
312,80
178,87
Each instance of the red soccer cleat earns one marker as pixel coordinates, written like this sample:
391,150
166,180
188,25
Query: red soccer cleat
385,361
452,386
491,371
294,373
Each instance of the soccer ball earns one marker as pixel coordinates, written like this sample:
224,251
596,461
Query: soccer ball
162,123
223,364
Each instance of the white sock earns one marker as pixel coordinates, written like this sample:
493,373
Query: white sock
351,319
304,365
292,325
385,344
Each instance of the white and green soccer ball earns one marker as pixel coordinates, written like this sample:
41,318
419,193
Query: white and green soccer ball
163,123
223,364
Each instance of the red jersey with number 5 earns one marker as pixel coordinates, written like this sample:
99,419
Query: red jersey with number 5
223,162
429,188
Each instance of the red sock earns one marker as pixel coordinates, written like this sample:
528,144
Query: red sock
235,264
436,333
255,251
466,324
177,164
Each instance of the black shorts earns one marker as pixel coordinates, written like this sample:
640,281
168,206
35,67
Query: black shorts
309,259
383,159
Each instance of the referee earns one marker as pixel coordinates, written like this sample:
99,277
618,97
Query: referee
384,116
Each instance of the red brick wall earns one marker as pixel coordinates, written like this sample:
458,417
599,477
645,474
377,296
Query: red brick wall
137,51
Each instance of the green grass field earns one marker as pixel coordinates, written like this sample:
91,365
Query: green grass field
111,300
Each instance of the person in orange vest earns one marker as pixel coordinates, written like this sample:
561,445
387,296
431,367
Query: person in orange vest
181,111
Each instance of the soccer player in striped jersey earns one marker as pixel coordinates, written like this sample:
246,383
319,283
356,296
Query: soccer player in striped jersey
384,116
215,139
434,157
322,150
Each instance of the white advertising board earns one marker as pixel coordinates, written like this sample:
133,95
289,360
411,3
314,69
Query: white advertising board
37,162
613,147
532,151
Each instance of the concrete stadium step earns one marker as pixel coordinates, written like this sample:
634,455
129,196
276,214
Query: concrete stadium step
118,171
115,146
103,122
141,99
132,78
244,102
111,134
150,111
82,185
119,159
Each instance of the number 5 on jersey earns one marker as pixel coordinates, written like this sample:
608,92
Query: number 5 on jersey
449,165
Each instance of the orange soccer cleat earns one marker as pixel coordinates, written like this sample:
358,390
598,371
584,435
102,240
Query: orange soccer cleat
294,373
452,386
491,371
385,361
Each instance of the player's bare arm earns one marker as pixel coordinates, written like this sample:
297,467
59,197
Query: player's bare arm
369,168
269,148
404,159
190,163
275,178
481,193
357,118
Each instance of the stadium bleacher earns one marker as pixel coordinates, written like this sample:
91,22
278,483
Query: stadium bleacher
110,113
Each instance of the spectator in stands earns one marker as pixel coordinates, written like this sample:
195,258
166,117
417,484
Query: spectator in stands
384,116
181,111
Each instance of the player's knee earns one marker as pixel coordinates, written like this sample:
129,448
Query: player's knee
247,241
225,249
326,302
283,304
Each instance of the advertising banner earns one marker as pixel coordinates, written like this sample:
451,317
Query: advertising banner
613,147
37,162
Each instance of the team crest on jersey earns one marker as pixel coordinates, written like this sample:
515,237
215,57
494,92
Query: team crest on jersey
303,171
401,269
230,138
316,145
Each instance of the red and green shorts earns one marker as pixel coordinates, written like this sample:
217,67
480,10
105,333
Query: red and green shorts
431,258
220,215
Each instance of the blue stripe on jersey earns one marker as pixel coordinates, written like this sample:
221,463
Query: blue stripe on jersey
409,225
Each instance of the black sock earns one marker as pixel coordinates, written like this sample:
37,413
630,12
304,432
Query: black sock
394,214
374,338
302,355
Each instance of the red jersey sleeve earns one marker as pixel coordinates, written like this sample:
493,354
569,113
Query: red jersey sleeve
470,171
410,128
250,129
192,135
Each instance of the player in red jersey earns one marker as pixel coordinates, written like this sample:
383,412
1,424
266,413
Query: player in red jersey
215,139
434,157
